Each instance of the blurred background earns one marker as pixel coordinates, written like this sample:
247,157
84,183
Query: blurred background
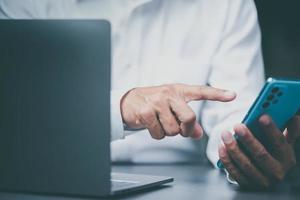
280,25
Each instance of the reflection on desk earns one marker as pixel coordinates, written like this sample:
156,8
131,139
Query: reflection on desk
191,182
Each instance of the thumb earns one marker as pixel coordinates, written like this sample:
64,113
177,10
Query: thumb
196,93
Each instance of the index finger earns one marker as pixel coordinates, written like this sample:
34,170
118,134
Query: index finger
193,93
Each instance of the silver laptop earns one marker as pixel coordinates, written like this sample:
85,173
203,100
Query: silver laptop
54,110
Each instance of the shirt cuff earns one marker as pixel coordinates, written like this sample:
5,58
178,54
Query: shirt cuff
214,142
215,135
212,148
116,122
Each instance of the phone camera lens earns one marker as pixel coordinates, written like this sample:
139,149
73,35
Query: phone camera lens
270,97
275,90
279,94
266,105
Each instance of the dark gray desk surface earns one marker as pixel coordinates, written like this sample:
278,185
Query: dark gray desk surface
191,182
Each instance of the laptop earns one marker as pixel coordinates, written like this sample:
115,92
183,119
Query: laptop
54,110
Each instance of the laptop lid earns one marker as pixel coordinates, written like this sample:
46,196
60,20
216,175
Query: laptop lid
54,106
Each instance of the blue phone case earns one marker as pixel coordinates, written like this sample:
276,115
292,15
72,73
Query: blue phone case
280,99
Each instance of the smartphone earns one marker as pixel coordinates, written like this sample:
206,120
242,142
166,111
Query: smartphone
280,99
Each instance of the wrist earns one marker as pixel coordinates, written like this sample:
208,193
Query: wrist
123,109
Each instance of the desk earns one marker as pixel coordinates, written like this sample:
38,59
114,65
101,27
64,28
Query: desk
191,182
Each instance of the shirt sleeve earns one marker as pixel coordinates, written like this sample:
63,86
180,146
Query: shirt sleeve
118,128
238,66
116,123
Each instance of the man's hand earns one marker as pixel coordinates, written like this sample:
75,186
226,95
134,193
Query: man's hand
260,169
164,111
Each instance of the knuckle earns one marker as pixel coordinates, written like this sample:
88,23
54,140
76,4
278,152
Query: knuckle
261,155
169,124
184,134
247,166
279,173
279,176
157,136
157,99
233,148
173,131
167,89
190,118
226,162
154,136
146,112
224,158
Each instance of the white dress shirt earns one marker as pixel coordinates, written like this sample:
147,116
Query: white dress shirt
156,42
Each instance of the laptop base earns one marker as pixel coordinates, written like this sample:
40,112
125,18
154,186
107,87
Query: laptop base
125,183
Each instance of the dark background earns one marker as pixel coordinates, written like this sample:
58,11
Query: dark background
280,25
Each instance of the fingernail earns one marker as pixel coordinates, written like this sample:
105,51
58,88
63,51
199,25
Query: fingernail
265,120
229,94
227,137
240,131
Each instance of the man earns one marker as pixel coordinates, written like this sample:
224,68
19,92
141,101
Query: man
163,51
